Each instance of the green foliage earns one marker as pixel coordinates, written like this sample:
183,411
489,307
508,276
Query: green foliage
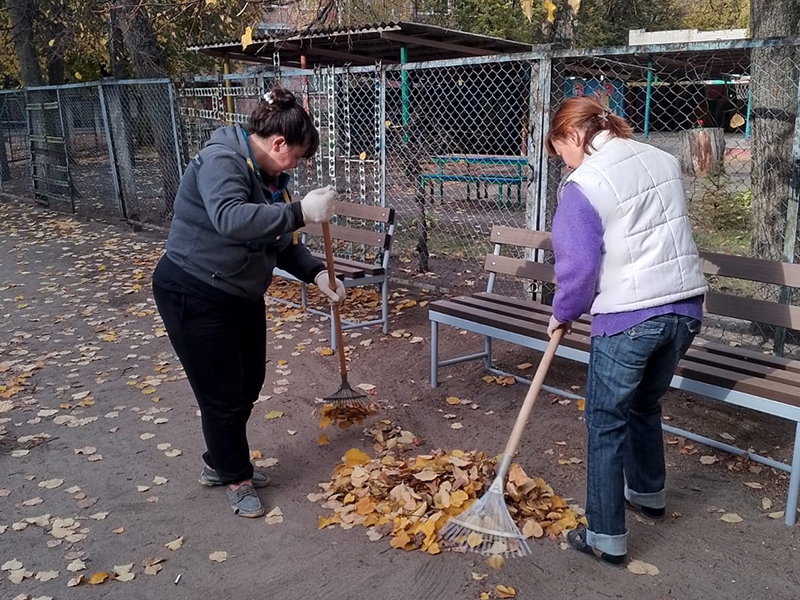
607,22
498,18
708,15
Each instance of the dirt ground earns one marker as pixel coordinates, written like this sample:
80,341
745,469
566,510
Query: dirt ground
83,359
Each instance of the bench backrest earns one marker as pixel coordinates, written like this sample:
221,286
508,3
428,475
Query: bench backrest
782,274
358,235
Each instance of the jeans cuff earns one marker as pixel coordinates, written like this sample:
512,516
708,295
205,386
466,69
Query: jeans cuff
615,545
651,500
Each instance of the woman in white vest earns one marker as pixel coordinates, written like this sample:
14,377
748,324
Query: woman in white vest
624,253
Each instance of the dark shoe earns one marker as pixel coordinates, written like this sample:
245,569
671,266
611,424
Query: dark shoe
210,478
577,540
654,514
244,501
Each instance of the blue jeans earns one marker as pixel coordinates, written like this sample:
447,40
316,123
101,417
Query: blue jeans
628,374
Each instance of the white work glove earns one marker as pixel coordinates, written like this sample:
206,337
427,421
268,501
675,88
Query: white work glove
324,284
555,324
317,206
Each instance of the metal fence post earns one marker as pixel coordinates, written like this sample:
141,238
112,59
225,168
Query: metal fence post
382,139
111,159
175,129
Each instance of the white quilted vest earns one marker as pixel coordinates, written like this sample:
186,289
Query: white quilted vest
649,257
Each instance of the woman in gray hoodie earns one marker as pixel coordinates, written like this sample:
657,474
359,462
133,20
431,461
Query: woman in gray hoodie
234,222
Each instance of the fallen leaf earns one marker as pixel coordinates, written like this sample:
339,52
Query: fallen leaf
158,480
753,485
523,366
147,436
452,400
354,457
274,516
142,488
456,426
777,514
766,503
75,581
727,436
11,565
46,575
642,568
165,446
708,460
98,516
478,576
273,414
731,518
291,431
218,556
496,561
76,565
97,578
474,539
323,440
484,596
118,531
502,591
175,544
51,484
366,387
580,404
172,453
32,502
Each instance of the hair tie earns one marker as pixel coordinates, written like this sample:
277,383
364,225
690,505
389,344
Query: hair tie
269,98
603,116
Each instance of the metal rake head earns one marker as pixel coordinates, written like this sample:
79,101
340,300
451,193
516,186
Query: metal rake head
486,527
347,396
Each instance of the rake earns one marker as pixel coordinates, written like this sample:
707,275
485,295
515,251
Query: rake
345,395
486,526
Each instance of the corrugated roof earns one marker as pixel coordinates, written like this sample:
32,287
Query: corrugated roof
365,44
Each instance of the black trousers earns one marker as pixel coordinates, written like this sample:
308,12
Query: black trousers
221,343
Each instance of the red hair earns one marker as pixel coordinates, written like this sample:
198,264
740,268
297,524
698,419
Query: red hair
586,114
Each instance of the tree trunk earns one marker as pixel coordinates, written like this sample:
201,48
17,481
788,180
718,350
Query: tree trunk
702,151
774,87
21,13
774,75
562,30
148,62
116,44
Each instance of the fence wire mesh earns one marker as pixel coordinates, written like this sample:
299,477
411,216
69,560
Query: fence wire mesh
454,147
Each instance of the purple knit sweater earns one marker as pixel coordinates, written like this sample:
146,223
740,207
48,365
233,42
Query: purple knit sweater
578,250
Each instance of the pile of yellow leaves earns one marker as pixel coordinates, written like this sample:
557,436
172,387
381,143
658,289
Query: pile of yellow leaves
410,499
345,415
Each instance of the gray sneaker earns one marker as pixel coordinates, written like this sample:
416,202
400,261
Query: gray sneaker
210,478
244,501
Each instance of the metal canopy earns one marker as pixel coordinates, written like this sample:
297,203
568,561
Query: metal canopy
364,45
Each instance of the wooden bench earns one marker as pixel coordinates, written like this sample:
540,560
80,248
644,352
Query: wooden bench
368,228
745,378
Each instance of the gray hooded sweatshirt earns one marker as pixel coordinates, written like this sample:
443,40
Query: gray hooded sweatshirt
231,228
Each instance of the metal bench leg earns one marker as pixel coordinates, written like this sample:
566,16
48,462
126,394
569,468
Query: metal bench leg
487,347
434,354
499,195
441,193
333,331
385,304
794,482
303,294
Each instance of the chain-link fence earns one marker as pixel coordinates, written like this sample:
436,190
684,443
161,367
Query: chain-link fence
453,146
96,149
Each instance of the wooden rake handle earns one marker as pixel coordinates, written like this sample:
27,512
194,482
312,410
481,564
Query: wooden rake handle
337,320
533,392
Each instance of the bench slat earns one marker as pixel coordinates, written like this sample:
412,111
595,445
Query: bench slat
751,309
743,367
368,212
515,236
772,390
516,302
768,360
352,264
519,326
752,269
351,234
520,268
